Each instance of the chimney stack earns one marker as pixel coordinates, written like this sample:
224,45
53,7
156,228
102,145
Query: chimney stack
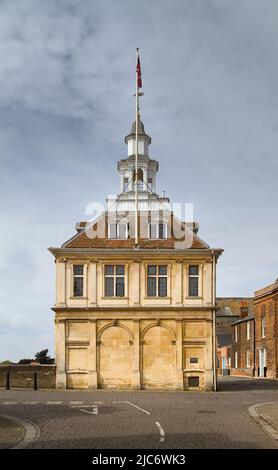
243,309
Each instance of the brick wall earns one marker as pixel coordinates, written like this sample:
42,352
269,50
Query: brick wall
266,308
23,376
242,372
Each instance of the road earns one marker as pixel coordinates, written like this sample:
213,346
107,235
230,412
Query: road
145,419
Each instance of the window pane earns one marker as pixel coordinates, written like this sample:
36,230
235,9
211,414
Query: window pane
152,270
162,286
140,186
125,184
161,230
193,286
153,228
109,286
113,231
193,270
78,270
162,270
120,286
109,269
78,286
120,270
122,230
151,286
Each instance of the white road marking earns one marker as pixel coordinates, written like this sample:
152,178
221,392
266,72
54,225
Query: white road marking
135,406
10,402
30,403
161,432
73,402
94,412
57,402
81,406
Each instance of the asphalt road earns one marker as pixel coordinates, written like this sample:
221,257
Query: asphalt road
145,419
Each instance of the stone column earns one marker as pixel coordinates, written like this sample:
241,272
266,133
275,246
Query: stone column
136,355
61,282
136,282
92,355
61,377
92,284
179,370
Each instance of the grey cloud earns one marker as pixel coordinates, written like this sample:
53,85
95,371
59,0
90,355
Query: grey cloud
66,84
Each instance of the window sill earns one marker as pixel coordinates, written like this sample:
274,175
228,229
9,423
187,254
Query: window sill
156,297
114,297
196,297
77,297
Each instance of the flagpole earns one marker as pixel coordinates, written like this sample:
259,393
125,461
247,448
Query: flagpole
136,152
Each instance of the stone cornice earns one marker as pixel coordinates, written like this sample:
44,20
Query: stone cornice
134,253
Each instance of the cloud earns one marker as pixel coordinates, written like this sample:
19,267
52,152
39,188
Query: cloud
210,105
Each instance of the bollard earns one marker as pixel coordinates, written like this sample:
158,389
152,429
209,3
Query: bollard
8,381
35,381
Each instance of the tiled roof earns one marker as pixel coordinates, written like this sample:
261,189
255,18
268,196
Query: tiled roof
82,241
87,238
250,316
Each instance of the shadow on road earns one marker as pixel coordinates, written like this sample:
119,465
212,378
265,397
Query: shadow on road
233,384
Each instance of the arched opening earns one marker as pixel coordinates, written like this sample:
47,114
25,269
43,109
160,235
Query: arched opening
140,179
158,362
115,359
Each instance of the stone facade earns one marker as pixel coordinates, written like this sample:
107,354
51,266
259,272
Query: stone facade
130,338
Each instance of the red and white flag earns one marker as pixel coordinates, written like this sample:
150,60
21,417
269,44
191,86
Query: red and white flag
138,71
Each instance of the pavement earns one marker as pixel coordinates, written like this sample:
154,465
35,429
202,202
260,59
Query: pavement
269,411
11,432
99,419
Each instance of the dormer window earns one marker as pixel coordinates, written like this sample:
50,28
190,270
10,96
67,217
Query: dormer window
118,230
158,230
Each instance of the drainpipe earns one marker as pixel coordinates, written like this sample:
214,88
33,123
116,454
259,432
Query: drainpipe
213,321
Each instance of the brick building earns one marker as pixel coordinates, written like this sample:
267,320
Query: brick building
229,311
243,347
266,320
255,336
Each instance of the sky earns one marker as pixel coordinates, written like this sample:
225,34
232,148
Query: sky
67,79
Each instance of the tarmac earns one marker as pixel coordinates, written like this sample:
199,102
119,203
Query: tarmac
11,432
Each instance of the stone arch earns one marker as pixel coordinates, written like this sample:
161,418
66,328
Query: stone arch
115,356
158,358
163,325
115,323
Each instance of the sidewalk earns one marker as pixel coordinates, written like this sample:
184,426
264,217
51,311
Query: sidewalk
11,432
269,412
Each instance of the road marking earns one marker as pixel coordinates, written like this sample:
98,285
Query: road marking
161,432
10,402
30,403
94,412
73,402
81,406
135,406
57,402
